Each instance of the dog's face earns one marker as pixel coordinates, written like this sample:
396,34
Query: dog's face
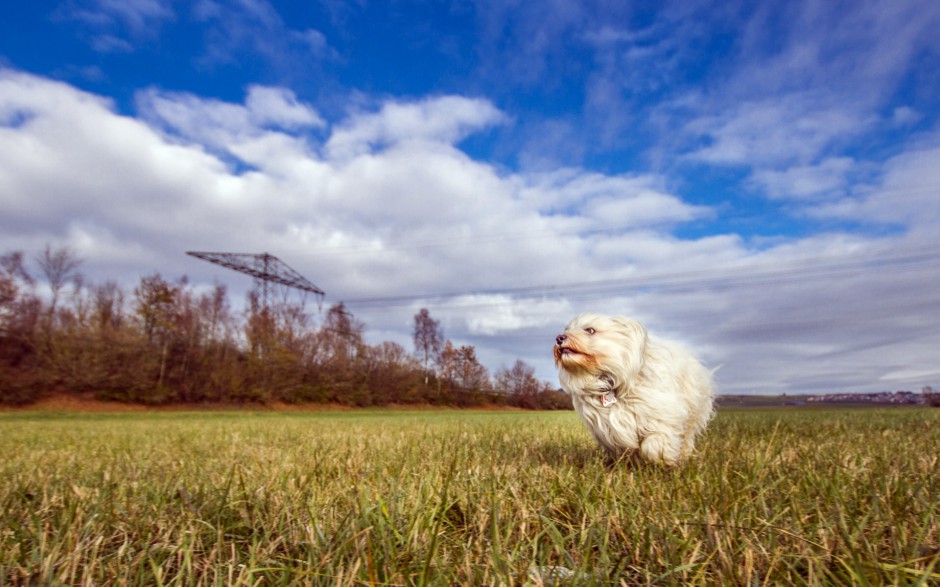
595,344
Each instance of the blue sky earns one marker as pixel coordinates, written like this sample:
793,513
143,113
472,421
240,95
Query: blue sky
757,179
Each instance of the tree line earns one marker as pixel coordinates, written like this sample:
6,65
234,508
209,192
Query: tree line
169,342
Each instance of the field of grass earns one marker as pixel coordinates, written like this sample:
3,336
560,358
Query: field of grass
816,497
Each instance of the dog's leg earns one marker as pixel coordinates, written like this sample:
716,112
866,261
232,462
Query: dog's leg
688,445
661,448
701,415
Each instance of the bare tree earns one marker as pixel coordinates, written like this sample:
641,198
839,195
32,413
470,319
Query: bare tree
215,305
343,332
394,373
428,338
520,384
20,379
472,377
157,302
108,306
12,274
58,266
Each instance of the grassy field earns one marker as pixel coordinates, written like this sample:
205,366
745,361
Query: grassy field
822,496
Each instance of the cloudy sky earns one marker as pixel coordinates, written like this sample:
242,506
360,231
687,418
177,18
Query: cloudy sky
760,180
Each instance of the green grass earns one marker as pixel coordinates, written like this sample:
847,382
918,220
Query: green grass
815,497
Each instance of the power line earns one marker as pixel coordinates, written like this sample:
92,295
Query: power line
923,191
679,281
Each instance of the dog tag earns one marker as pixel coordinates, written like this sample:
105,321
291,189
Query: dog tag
608,399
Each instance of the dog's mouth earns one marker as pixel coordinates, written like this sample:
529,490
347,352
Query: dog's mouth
562,352
571,358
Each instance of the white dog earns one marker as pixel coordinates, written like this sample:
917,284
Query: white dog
639,397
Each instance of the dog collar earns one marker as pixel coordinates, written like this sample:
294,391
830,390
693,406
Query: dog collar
608,399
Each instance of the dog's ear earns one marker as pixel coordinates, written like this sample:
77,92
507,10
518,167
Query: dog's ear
634,352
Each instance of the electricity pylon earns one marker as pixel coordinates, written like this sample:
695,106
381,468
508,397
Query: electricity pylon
264,268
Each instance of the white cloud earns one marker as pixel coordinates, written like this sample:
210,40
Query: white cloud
112,25
494,315
136,15
779,131
255,29
237,14
907,193
905,116
111,44
316,42
385,204
256,133
279,107
802,87
74,161
822,181
606,202
446,119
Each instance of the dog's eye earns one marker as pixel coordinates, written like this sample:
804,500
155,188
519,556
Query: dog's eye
590,330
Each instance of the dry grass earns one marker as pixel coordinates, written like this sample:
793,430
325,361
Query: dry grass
810,497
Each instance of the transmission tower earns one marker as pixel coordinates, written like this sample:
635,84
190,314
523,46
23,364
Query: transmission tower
264,268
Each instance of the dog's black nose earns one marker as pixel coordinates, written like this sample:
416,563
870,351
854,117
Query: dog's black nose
560,338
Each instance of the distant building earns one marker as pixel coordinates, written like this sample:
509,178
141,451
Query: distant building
881,397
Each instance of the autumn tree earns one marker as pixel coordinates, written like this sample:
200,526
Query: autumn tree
931,397
107,306
20,376
473,380
259,326
428,338
13,276
95,348
282,346
216,306
523,389
519,384
221,373
343,352
64,349
462,375
553,398
447,370
394,374
155,305
343,333
58,266
170,342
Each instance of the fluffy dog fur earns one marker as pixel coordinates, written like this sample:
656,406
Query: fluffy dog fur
639,397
